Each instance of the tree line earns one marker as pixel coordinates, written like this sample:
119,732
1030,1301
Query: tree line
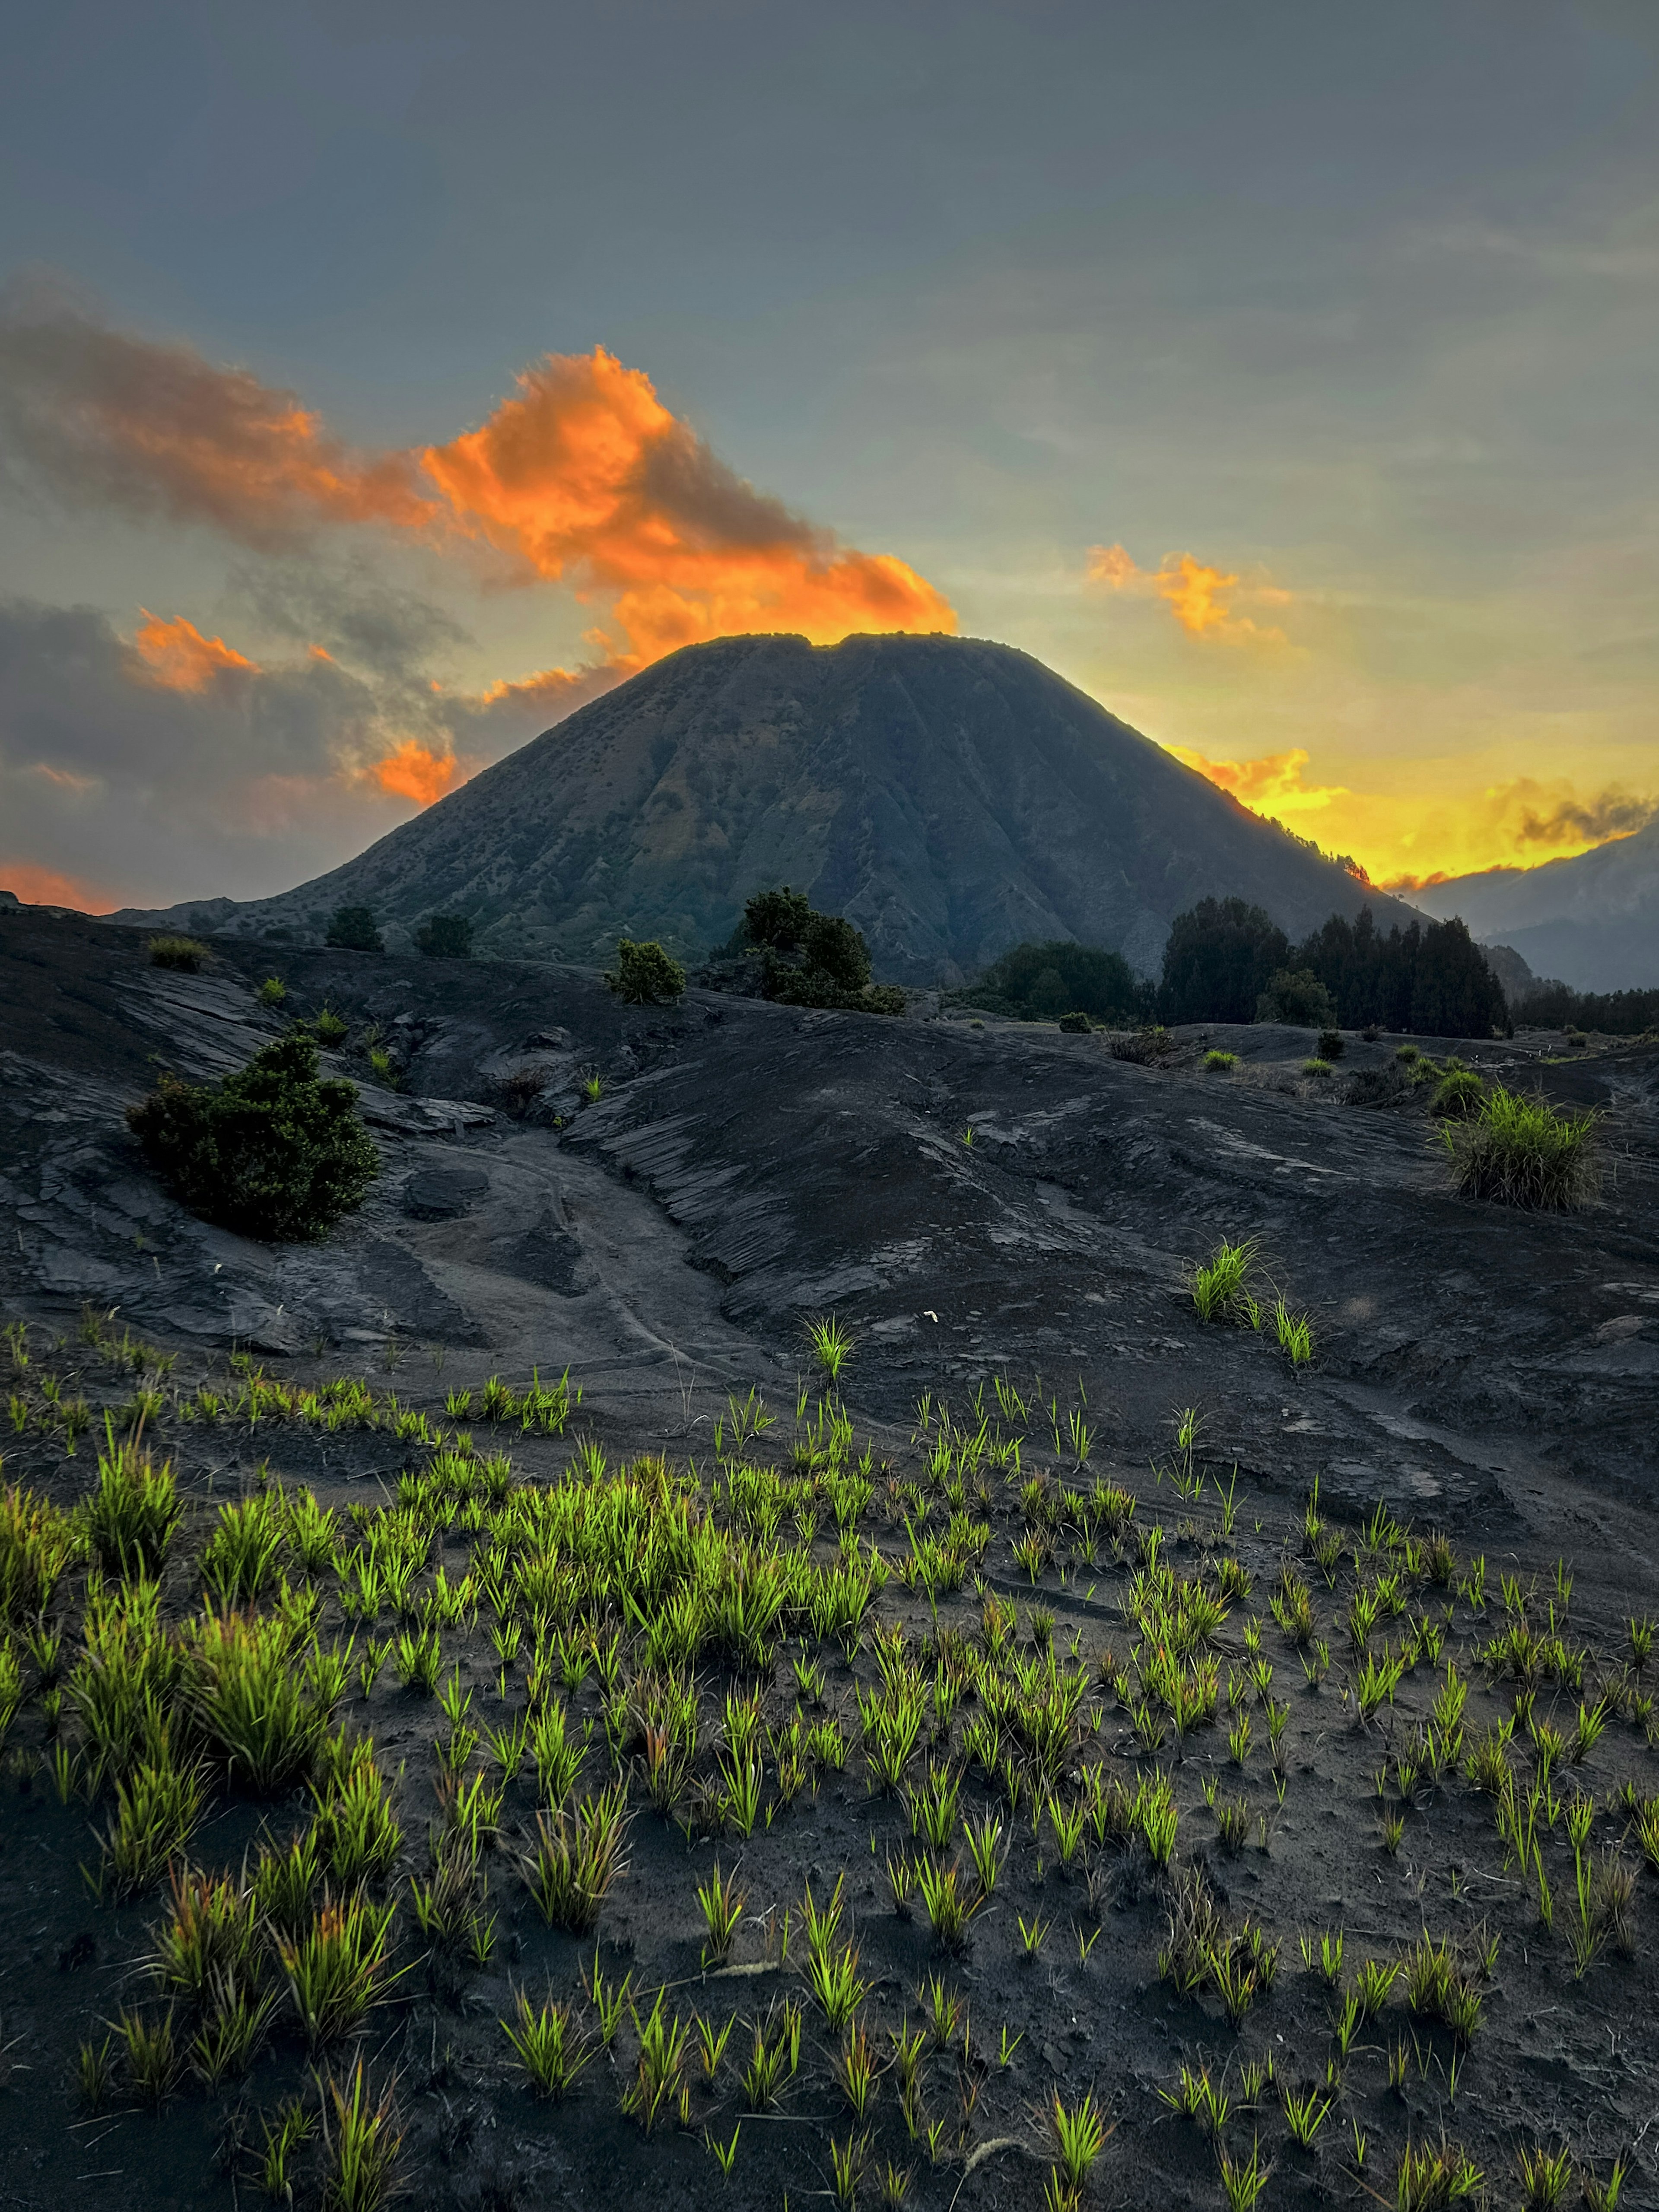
1228,961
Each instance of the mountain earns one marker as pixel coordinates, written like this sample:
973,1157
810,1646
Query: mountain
949,796
1592,921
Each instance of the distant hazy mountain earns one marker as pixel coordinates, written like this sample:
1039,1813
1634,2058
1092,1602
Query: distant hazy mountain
951,796
1592,921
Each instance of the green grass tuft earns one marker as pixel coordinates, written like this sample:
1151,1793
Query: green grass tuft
1523,1152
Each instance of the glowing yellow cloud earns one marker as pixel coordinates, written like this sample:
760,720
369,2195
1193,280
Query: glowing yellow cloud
1193,592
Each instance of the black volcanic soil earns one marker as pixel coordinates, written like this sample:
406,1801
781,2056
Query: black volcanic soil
1479,1372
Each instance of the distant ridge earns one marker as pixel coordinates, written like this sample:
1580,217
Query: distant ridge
1592,921
949,795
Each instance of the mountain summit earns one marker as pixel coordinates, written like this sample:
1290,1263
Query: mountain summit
951,796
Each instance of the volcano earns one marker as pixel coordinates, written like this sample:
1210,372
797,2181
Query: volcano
949,796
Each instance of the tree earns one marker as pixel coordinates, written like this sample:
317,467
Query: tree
1220,957
1433,979
444,937
351,929
1454,992
832,945
645,975
832,968
777,918
1297,995
272,1152
1042,981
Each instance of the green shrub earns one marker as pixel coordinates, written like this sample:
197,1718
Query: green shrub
329,1028
1220,1061
1075,1024
351,929
1330,1044
271,1153
1316,1068
1406,1052
832,966
272,991
1523,1151
1043,982
444,937
645,976
1457,1095
185,952
1296,995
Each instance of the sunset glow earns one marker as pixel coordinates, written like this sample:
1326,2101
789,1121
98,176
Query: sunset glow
416,772
176,656
1196,595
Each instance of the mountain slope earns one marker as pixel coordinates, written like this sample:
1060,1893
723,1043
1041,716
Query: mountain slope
949,796
1592,921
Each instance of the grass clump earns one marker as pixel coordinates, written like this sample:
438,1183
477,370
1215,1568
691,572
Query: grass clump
271,991
271,1153
184,953
1220,1286
1457,1093
1523,1151
645,976
1219,1062
129,1518
1316,1067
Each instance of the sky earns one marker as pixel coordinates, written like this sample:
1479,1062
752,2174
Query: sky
379,383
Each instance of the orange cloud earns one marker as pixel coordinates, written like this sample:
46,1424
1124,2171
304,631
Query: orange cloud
125,421
583,476
177,656
38,886
417,772
586,476
1272,781
1191,592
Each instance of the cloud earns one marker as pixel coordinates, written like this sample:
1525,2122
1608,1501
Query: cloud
1193,592
108,419
582,477
1271,783
1521,824
260,775
176,655
39,886
417,772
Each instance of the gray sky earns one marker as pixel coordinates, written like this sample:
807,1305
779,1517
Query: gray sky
1354,307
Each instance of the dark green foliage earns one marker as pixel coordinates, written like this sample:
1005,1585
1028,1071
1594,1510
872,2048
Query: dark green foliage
776,918
645,976
1227,961
1296,995
1330,1044
351,929
271,1153
1431,979
183,952
832,966
1220,958
1074,1024
1551,1005
1040,982
834,948
444,937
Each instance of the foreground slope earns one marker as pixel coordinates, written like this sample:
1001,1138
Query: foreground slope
1033,1566
949,796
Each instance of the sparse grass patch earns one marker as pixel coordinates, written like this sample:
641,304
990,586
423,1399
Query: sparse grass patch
1219,1062
185,954
1220,1286
1523,1152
